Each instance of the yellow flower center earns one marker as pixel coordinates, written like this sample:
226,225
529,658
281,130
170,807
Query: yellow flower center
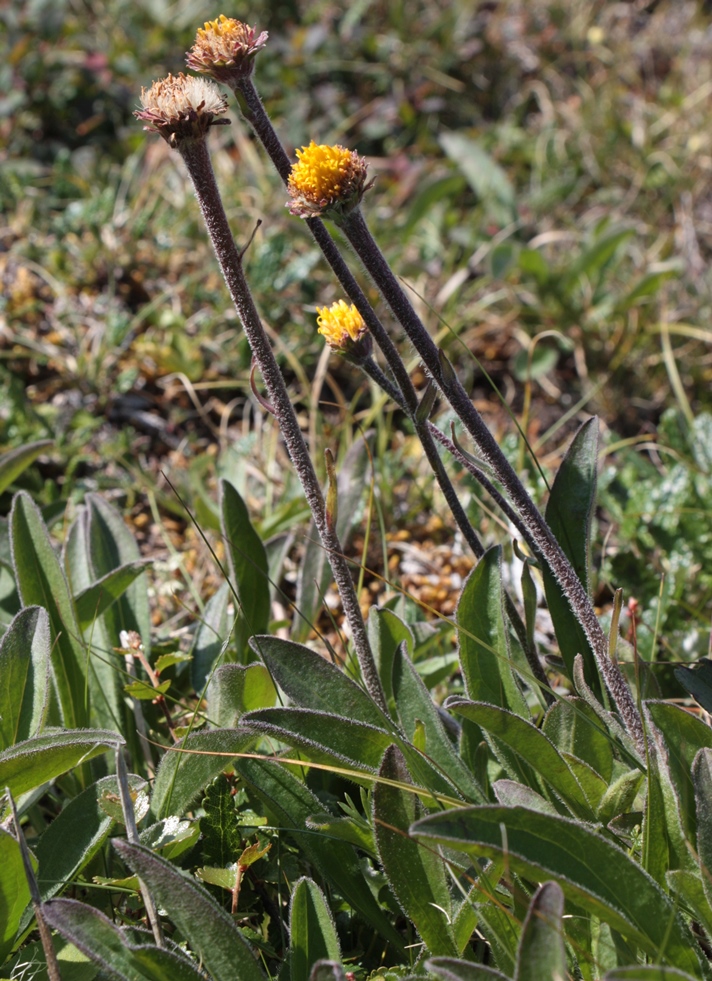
226,28
340,323
225,48
322,172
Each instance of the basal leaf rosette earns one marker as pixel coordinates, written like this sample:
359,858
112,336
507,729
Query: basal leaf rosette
182,107
344,330
326,182
225,49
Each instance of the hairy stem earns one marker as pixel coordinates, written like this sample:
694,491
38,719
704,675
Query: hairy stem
255,114
196,157
363,243
433,433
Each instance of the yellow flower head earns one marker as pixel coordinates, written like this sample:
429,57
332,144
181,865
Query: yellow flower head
326,180
344,329
225,49
181,107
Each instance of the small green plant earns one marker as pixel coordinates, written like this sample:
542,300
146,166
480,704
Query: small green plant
311,817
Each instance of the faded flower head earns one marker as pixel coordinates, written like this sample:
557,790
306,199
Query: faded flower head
326,181
344,329
182,107
225,49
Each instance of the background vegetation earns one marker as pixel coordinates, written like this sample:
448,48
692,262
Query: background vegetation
543,187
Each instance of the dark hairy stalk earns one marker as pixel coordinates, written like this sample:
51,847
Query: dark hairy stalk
365,247
255,114
197,160
433,433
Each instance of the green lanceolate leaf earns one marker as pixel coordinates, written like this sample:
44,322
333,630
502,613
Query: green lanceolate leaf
702,776
33,762
647,972
112,949
416,875
25,676
312,682
111,547
482,637
312,933
386,632
327,971
76,834
210,931
235,689
655,856
40,581
595,257
290,804
356,832
620,796
14,891
530,745
323,735
697,679
15,461
105,668
678,854
541,955
569,513
211,636
487,179
466,917
684,736
314,570
531,601
72,964
248,561
688,887
97,598
512,793
187,770
574,727
593,873
452,969
593,786
415,706
327,737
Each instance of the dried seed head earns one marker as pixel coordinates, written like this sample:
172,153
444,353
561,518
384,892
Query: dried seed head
326,181
182,107
225,49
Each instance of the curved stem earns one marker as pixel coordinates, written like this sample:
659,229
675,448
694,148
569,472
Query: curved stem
433,433
363,243
196,157
255,114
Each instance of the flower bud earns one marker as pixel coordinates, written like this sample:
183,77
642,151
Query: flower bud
345,332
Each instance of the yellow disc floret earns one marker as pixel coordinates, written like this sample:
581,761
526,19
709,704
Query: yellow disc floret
344,329
326,180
